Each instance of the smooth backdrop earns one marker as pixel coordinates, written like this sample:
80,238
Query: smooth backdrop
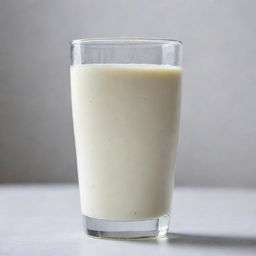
218,124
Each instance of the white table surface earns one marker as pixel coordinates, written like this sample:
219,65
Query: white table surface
45,220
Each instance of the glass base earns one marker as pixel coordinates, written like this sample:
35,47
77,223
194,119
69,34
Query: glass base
134,229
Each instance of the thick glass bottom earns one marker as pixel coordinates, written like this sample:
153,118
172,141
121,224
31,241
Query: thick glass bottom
130,229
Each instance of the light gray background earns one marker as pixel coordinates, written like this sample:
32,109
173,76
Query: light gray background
218,124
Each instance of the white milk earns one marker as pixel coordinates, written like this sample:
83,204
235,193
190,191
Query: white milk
126,119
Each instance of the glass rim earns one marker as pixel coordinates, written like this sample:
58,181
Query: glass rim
123,40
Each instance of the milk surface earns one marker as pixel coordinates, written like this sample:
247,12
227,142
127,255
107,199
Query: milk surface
126,119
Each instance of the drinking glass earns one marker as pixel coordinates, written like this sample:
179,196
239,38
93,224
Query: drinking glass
126,106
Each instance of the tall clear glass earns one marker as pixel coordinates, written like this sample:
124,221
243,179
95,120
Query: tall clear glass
126,106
